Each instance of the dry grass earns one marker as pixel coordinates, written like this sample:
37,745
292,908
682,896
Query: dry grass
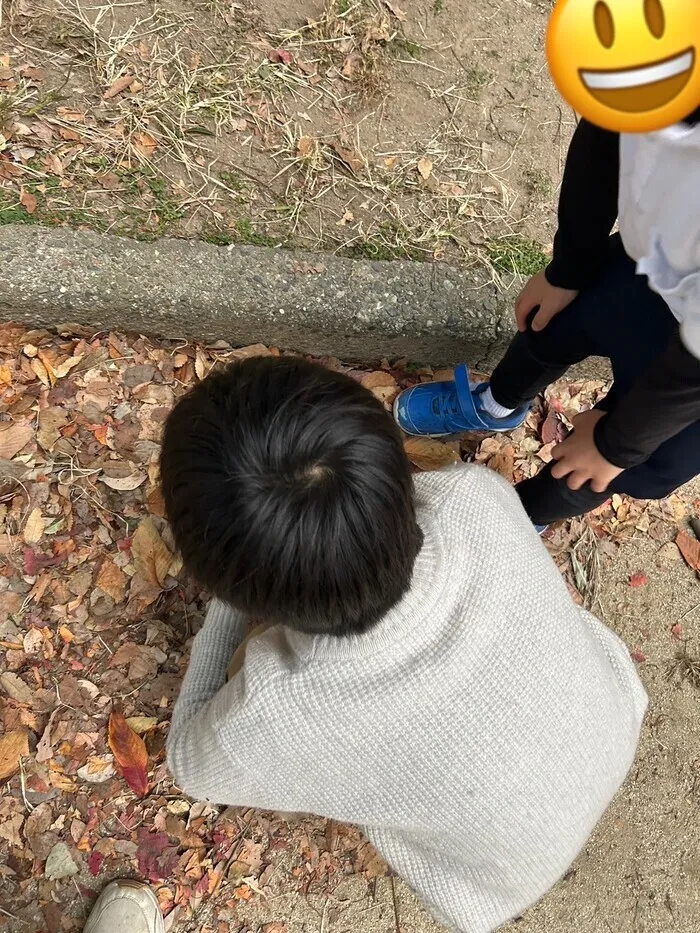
261,139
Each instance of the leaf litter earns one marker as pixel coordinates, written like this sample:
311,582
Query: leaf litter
96,618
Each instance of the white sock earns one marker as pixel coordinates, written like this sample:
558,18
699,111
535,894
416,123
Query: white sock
490,405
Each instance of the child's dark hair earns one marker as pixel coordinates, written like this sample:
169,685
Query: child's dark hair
290,495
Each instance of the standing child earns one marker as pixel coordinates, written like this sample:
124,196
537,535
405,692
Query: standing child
422,671
633,298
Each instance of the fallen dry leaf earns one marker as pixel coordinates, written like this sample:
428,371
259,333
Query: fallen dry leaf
382,385
129,753
151,555
13,745
354,160
13,437
280,57
144,145
141,724
429,454
34,528
425,168
51,420
690,549
28,201
306,147
124,483
112,580
121,84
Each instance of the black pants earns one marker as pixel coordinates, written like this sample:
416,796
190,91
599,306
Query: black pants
622,319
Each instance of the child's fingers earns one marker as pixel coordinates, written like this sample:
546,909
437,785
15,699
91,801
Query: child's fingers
544,316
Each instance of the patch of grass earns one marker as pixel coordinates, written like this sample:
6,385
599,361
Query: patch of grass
476,80
438,7
401,47
343,6
386,245
247,235
217,237
232,180
516,254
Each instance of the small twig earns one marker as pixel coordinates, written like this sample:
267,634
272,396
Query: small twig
396,906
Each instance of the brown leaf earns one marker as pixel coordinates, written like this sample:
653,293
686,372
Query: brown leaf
354,160
28,201
41,372
280,57
16,688
425,168
144,145
121,84
151,555
13,437
690,549
13,746
382,385
112,580
503,462
51,420
129,753
306,147
429,454
34,528
552,428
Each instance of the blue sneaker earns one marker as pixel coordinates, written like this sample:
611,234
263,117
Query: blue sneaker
437,409
540,529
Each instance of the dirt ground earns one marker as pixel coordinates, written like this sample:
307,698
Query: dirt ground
416,128
96,618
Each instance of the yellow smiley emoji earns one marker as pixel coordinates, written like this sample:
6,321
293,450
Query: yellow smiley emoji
632,66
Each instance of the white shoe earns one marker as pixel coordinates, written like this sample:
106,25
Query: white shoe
126,906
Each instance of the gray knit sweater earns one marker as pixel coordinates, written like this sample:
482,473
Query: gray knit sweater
476,734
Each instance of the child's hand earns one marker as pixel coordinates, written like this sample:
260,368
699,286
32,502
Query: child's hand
550,298
578,457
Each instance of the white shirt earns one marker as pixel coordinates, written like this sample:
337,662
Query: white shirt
659,216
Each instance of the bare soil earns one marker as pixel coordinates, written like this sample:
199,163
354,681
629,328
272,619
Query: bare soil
422,128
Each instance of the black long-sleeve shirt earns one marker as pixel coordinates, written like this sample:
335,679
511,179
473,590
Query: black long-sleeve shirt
665,398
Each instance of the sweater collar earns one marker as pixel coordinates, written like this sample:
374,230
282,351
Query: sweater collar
403,626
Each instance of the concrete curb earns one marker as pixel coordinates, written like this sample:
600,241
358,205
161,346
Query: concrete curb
311,302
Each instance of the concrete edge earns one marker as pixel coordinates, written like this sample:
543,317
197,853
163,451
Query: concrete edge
312,302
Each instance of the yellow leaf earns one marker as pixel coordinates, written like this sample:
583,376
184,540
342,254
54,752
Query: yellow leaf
425,168
34,529
13,745
429,454
5,375
151,555
141,724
